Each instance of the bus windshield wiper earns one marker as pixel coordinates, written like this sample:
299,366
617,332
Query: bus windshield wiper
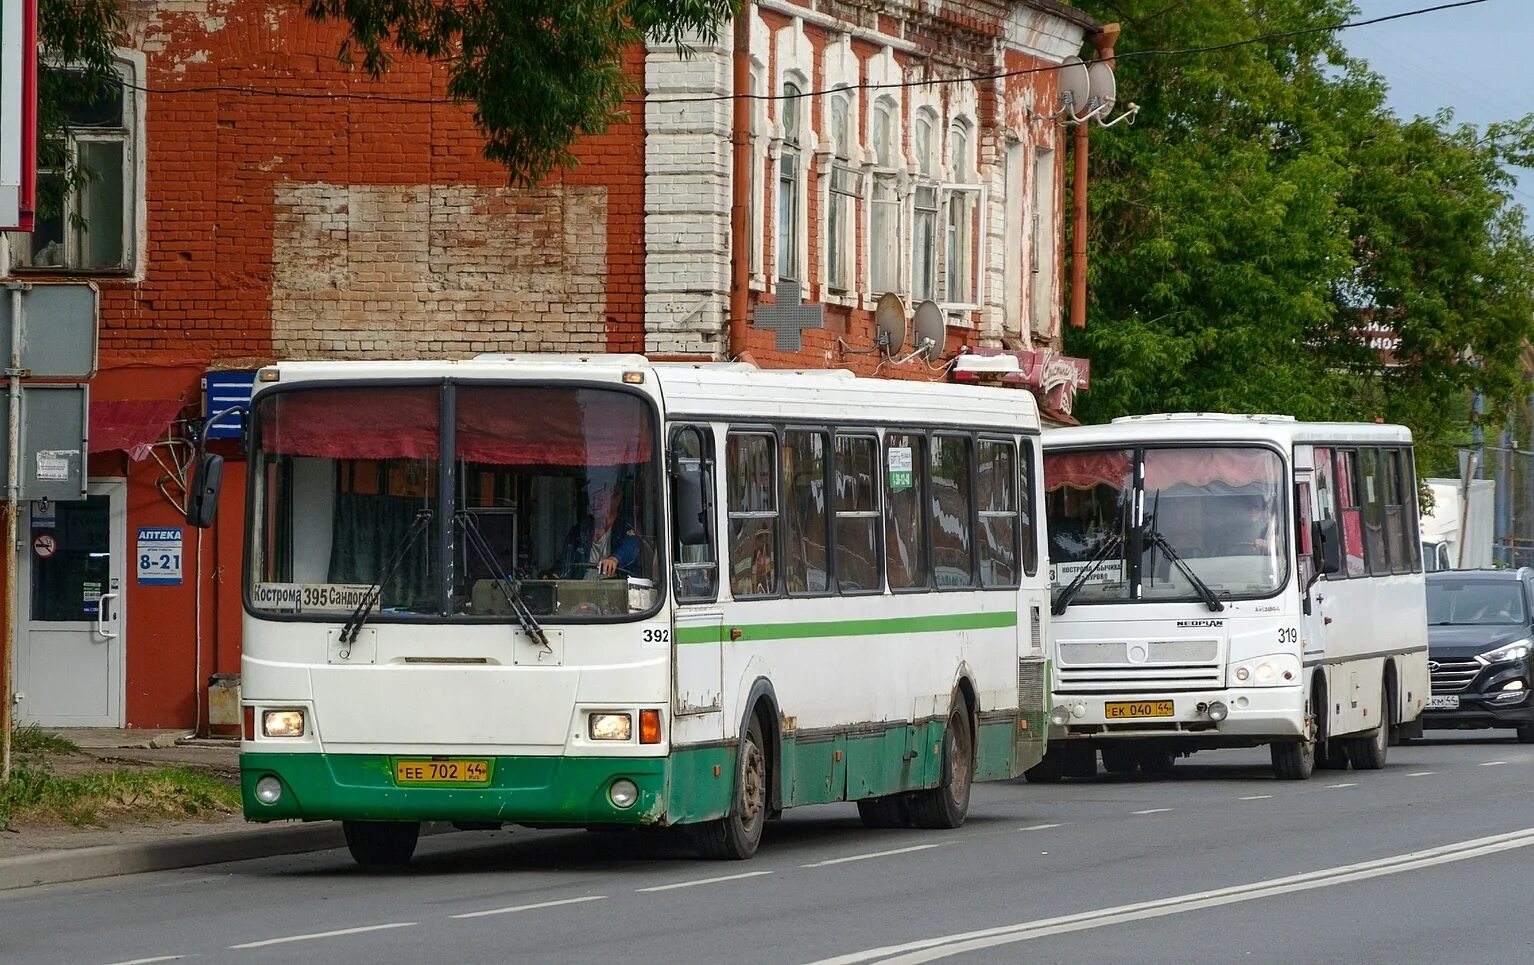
1199,586
1069,593
510,587
353,624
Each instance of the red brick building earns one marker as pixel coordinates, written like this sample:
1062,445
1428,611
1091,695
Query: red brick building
257,200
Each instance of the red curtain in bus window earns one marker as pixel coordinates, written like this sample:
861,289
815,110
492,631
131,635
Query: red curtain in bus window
1083,470
527,426
1352,519
360,423
1165,468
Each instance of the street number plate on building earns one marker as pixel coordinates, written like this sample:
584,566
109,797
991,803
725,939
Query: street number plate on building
1445,702
1124,710
442,772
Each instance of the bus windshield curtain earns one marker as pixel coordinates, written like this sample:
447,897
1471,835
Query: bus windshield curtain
1236,468
1084,470
360,423
530,426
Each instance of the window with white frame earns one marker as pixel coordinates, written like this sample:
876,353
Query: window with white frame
754,182
961,219
841,207
885,228
92,230
790,213
924,216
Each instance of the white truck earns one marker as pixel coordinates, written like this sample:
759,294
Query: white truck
1457,530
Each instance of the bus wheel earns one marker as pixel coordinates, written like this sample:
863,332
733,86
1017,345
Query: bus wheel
1049,770
381,843
1119,760
889,811
1368,753
735,836
1156,762
946,805
1293,760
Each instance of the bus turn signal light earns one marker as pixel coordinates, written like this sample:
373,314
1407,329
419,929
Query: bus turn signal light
649,727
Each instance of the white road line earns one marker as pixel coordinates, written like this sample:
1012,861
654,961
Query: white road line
1151,811
925,950
1039,827
325,934
871,854
705,881
1421,773
146,961
1492,763
1256,797
1342,785
541,904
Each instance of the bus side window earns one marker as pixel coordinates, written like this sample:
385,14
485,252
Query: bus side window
1029,479
996,479
1302,518
953,551
694,561
1374,512
807,562
1397,529
905,532
857,515
751,494
1348,505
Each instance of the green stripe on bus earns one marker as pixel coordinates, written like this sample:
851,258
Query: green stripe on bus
849,628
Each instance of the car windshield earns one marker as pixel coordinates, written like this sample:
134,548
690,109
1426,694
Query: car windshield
1474,602
553,500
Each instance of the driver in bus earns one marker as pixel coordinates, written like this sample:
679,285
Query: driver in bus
1252,524
605,541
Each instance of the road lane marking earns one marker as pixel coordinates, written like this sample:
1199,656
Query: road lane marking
871,854
146,961
1151,811
1421,773
541,904
1492,763
705,881
325,934
1342,785
929,949
1256,797
1039,827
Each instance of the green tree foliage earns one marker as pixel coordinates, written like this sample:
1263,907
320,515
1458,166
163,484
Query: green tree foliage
540,73
1266,206
76,43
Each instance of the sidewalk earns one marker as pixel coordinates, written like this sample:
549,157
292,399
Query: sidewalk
46,854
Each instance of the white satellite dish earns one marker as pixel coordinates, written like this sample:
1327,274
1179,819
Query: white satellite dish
1075,87
931,330
889,320
1103,87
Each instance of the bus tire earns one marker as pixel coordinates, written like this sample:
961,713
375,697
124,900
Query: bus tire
1331,755
1293,760
945,806
380,844
1119,760
1368,752
735,836
1049,770
889,811
1156,762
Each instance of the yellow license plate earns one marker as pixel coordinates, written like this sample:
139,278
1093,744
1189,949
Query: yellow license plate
442,772
1127,709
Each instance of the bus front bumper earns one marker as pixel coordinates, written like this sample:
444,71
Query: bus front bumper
520,790
1247,713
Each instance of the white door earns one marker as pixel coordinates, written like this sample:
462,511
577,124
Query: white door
70,583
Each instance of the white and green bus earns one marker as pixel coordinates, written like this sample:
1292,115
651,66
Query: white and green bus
588,591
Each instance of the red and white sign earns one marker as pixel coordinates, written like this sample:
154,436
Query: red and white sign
44,545
18,114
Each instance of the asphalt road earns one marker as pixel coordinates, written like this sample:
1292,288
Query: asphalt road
1429,860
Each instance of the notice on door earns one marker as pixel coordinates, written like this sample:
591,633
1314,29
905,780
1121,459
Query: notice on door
159,555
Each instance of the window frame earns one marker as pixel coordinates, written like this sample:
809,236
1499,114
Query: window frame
775,438
883,196
827,435
876,514
788,251
970,519
927,181
919,467
709,466
1018,562
964,245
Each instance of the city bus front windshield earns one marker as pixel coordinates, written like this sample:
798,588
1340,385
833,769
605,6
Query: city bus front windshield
1210,515
549,508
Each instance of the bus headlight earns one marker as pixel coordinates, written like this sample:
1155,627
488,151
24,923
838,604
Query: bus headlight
610,727
1060,715
282,723
1218,711
268,790
623,793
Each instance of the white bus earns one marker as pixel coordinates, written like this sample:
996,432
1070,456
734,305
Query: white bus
1231,581
585,591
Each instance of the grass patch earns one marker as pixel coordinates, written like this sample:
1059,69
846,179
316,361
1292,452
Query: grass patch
35,795
32,739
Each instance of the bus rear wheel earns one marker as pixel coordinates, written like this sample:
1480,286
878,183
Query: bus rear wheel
378,844
1368,753
946,805
735,836
1119,760
889,811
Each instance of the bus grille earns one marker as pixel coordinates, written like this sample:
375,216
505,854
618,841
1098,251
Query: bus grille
1453,676
1030,694
1037,627
1139,679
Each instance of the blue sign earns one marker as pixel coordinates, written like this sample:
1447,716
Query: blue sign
224,390
159,555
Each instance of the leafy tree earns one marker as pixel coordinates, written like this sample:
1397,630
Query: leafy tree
76,42
540,73
1266,205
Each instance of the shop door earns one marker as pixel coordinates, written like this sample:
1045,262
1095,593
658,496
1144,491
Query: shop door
70,645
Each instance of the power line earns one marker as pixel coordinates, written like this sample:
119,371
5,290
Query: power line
899,85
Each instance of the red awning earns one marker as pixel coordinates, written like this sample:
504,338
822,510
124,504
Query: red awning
131,426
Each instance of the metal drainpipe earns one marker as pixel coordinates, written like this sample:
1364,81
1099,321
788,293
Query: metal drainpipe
1103,40
740,185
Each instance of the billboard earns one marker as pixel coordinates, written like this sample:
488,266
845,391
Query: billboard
18,113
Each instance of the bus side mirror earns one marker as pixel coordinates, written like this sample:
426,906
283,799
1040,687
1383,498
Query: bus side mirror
1323,536
202,490
689,502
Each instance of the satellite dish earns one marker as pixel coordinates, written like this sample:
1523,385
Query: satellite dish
889,319
1103,87
930,326
1075,87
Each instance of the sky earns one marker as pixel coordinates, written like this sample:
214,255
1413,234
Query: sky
1473,59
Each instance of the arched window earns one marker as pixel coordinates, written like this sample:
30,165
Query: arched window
962,218
924,220
790,211
884,214
842,202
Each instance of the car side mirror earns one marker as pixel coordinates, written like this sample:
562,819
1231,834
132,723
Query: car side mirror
202,491
1324,537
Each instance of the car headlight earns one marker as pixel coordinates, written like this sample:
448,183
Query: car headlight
282,723
1512,651
610,727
